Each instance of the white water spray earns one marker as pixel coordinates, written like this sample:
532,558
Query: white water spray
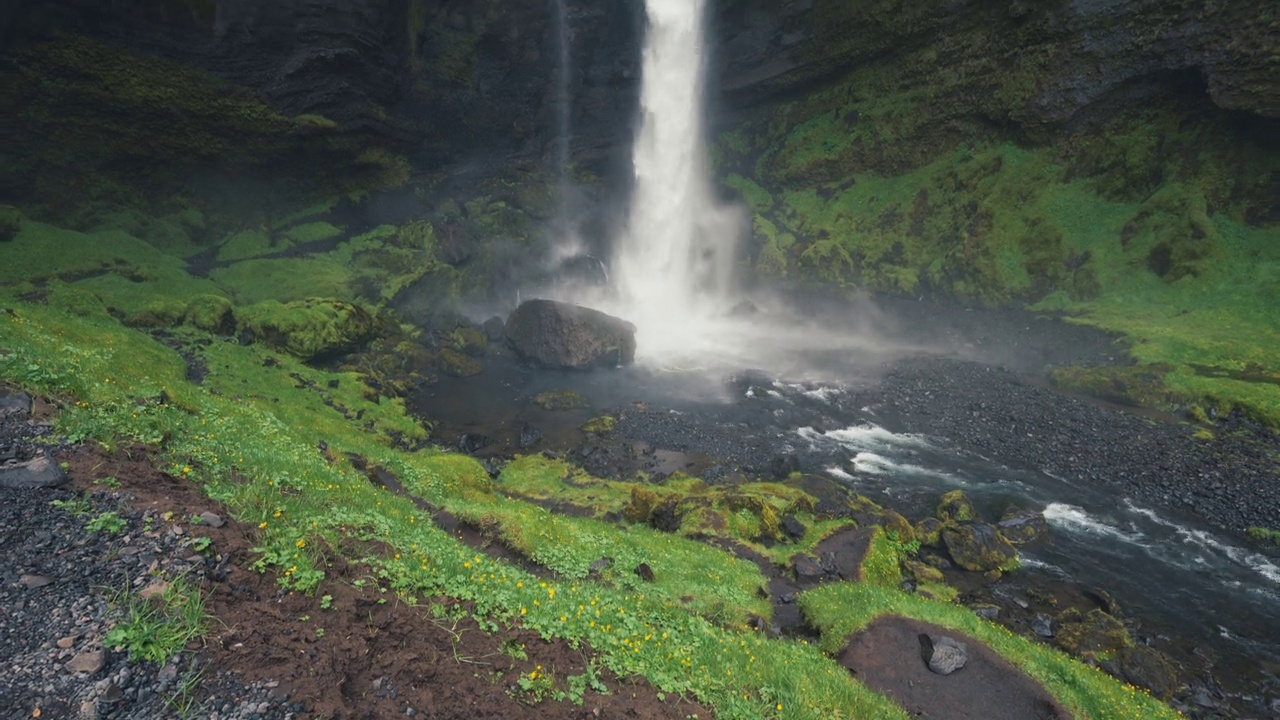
674,264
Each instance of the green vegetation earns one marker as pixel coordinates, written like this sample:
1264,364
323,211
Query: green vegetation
1265,534
840,610
155,628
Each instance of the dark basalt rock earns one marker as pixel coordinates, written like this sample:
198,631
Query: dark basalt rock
1023,526
569,337
38,472
942,654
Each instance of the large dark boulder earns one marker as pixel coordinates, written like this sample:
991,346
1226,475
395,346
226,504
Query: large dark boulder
570,337
979,547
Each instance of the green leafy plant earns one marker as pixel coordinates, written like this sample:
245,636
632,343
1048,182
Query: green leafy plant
108,522
537,685
110,482
78,506
326,602
154,629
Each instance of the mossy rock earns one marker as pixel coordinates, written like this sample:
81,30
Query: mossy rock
469,340
929,532
955,506
979,547
308,329
1097,633
639,509
211,313
1146,668
1133,385
939,591
898,526
562,399
452,362
158,314
602,425
922,573
10,222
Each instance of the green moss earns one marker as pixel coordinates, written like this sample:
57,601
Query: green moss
285,279
880,564
1138,386
251,244
559,400
10,222
452,362
469,340
386,260
955,506
601,425
939,591
1265,534
758,199
314,232
210,313
307,329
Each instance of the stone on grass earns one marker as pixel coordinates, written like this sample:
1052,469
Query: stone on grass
569,337
212,519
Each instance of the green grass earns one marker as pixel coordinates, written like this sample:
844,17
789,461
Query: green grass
840,610
307,504
154,629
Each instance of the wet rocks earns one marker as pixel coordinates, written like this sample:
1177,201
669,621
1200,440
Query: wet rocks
569,337
17,404
1022,526
955,506
979,547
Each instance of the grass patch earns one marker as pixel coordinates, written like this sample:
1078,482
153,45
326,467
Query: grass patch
154,629
840,610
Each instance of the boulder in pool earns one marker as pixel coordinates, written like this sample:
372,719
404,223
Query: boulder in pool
569,337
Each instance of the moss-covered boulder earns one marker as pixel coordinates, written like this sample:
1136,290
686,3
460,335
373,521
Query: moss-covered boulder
929,532
1146,668
211,313
1097,633
639,509
955,506
469,340
308,329
601,425
1134,385
979,547
452,362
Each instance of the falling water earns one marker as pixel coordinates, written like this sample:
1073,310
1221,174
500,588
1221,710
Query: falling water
563,73
674,263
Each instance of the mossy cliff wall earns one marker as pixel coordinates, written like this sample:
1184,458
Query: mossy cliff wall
932,146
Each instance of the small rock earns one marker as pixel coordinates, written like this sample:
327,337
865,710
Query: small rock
36,581
806,568
212,519
645,572
88,662
793,527
943,654
1044,626
154,590
66,642
529,436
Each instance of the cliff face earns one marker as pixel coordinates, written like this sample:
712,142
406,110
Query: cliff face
1018,61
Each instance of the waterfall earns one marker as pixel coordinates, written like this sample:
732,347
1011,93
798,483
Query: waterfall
674,262
564,71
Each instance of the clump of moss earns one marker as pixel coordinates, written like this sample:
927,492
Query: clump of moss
1265,535
955,506
10,222
563,399
639,509
469,340
211,313
307,329
1134,385
452,362
602,425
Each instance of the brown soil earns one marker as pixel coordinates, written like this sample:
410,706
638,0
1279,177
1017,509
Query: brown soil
886,657
369,655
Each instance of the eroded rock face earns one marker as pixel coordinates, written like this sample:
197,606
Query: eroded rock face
1040,63
569,337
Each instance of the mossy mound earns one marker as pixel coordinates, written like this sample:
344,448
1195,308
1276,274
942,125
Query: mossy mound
955,506
307,329
563,399
979,547
10,222
601,425
210,313
452,362
1134,385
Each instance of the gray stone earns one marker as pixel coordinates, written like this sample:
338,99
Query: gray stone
88,662
1023,526
944,655
212,519
806,568
569,337
19,404
37,472
1044,626
36,581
